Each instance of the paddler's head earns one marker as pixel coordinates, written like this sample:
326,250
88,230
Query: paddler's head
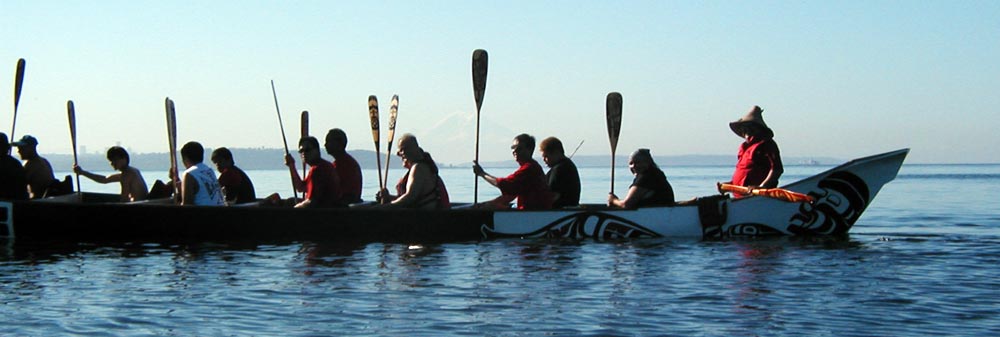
309,150
522,147
640,161
409,150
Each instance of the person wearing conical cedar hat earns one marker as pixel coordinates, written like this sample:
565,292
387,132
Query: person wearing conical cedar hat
758,161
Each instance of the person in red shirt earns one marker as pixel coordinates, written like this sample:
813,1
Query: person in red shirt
347,167
322,184
528,184
758,160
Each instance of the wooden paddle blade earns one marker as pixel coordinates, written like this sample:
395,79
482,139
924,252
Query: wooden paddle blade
71,114
393,111
305,124
171,132
18,83
166,108
480,61
373,115
614,112
172,123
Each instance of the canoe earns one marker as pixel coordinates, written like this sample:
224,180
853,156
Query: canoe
840,196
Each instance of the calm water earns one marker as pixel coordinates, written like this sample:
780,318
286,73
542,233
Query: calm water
922,261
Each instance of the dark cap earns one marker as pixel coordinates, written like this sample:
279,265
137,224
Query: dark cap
3,140
26,140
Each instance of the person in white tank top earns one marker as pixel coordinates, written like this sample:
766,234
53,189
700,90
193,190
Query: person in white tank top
199,185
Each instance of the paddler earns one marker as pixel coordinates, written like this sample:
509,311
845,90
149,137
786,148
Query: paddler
421,187
650,186
528,184
133,186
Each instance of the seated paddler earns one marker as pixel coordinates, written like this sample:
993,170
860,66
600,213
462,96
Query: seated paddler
421,187
198,185
650,186
133,186
527,184
321,184
237,188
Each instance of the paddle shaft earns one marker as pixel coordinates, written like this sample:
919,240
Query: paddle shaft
304,124
284,140
71,114
393,111
577,149
18,84
373,117
614,115
480,65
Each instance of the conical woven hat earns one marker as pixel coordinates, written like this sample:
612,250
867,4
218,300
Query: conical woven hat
753,117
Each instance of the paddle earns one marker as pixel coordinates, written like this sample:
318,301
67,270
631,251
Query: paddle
373,115
71,113
172,143
776,193
304,124
393,110
18,82
614,107
480,61
284,140
577,149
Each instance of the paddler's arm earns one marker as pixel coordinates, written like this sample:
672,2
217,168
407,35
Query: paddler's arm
775,168
631,199
190,188
96,177
417,185
296,179
771,181
478,170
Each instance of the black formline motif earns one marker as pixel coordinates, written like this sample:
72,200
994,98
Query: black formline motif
839,202
606,226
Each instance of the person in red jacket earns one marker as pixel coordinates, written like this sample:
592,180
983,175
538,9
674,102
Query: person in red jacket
322,184
345,165
528,184
758,160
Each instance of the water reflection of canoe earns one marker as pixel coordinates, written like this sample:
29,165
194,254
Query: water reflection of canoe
842,194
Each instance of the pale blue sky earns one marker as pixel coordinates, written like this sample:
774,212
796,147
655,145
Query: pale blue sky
836,79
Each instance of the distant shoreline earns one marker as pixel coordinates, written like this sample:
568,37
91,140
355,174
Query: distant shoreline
270,159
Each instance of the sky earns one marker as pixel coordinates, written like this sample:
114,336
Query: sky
840,79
